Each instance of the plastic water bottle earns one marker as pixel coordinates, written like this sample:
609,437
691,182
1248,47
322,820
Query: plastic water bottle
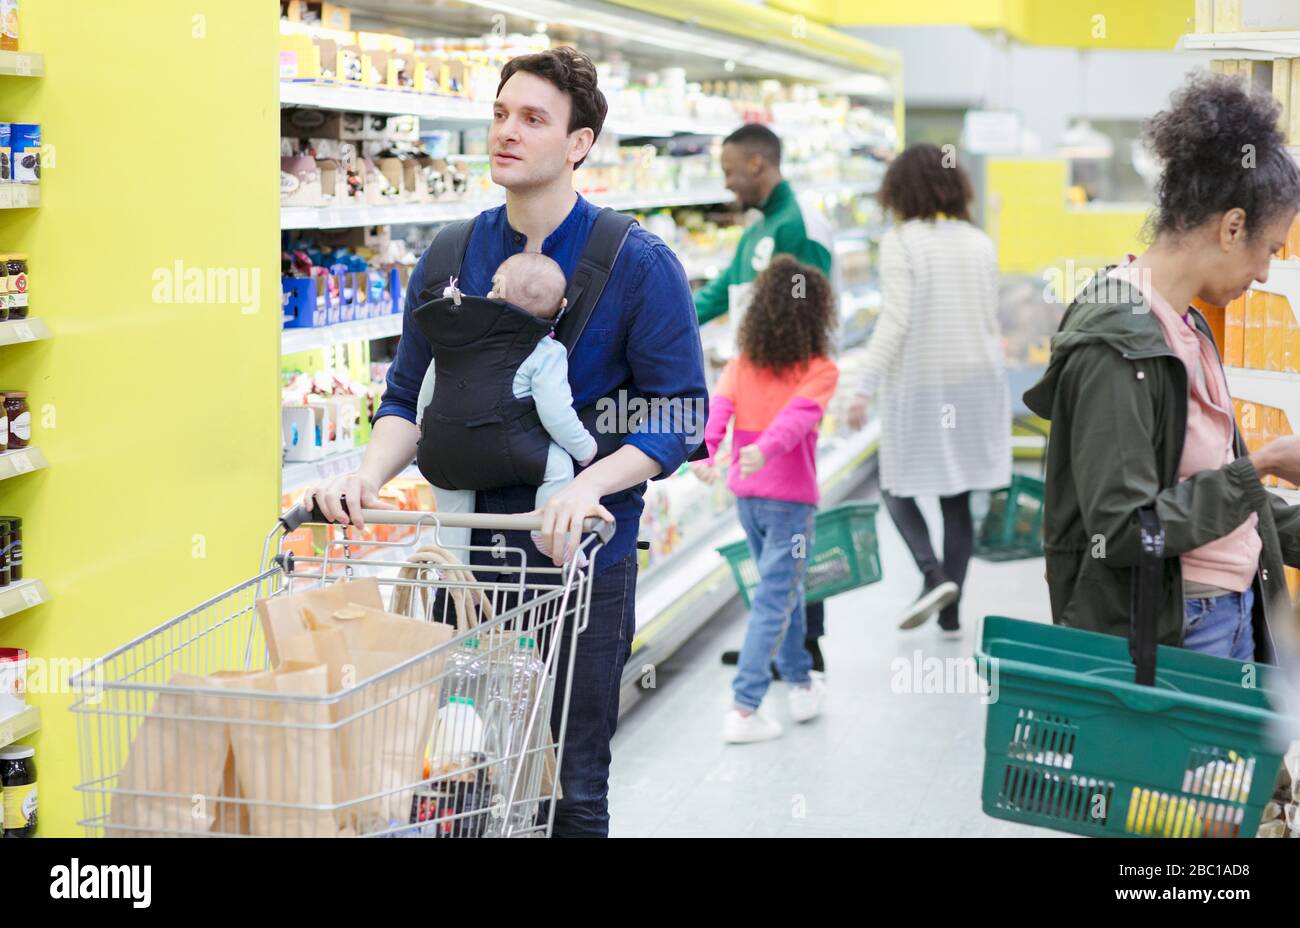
465,674
513,689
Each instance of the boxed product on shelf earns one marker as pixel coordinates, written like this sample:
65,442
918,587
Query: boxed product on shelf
25,139
313,12
9,25
300,182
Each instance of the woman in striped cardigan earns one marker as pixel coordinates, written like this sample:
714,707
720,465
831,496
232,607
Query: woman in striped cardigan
935,361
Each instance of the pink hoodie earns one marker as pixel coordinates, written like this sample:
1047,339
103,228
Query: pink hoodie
1229,562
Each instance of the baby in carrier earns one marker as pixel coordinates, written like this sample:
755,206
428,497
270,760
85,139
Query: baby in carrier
475,442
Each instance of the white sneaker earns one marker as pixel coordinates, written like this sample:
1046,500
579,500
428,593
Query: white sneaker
744,729
806,701
927,604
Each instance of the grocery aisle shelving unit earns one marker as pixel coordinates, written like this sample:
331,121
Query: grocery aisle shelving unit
24,594
1277,389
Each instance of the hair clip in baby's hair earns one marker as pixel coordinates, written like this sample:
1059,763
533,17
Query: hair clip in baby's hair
452,292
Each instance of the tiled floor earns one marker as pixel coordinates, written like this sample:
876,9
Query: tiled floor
880,761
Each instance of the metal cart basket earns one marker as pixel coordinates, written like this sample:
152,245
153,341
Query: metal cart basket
194,730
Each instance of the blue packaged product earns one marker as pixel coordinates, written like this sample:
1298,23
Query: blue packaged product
25,140
6,153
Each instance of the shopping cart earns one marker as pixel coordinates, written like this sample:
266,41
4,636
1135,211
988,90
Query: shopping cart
459,740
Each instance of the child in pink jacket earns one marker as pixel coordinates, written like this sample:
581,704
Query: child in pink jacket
776,391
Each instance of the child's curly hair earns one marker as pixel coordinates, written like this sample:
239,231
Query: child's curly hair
791,318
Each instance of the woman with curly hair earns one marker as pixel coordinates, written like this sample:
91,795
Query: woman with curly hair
776,389
936,361
1144,440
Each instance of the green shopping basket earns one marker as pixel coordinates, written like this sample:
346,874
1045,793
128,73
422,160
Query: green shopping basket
1092,735
1012,529
845,554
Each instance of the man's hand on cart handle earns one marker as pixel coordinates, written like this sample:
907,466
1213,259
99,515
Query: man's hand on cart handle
342,499
563,516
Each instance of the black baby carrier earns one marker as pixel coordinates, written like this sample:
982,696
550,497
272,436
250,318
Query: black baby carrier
476,434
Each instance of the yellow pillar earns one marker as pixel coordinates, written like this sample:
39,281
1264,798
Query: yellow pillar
153,258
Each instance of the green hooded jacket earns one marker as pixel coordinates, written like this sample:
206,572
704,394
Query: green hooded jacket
1117,399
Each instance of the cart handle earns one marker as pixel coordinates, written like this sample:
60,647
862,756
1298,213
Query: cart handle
300,515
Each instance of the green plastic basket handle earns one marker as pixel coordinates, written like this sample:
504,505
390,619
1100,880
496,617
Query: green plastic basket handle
1141,701
1146,597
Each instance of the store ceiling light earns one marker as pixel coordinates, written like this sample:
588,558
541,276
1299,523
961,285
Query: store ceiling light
1081,142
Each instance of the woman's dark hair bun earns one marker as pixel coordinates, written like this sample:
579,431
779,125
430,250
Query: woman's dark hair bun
1221,147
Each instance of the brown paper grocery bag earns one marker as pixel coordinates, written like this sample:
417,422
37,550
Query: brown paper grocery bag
181,749
286,752
385,724
231,818
281,616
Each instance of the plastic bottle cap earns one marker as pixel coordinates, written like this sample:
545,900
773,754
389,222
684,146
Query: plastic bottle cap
471,642
18,753
525,641
462,700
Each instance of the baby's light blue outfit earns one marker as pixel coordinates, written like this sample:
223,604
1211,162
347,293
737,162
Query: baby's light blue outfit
544,376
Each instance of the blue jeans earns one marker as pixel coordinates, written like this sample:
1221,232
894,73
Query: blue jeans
780,536
602,650
1220,626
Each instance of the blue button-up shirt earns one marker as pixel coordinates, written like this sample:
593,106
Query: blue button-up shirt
642,340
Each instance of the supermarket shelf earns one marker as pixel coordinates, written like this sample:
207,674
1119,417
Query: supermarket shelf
1284,278
22,595
342,217
626,201
377,100
14,331
1258,45
454,110
22,64
26,460
677,596
16,727
301,474
1268,388
19,196
294,340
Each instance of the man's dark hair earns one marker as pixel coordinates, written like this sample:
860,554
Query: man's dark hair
1213,122
919,185
757,139
573,73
